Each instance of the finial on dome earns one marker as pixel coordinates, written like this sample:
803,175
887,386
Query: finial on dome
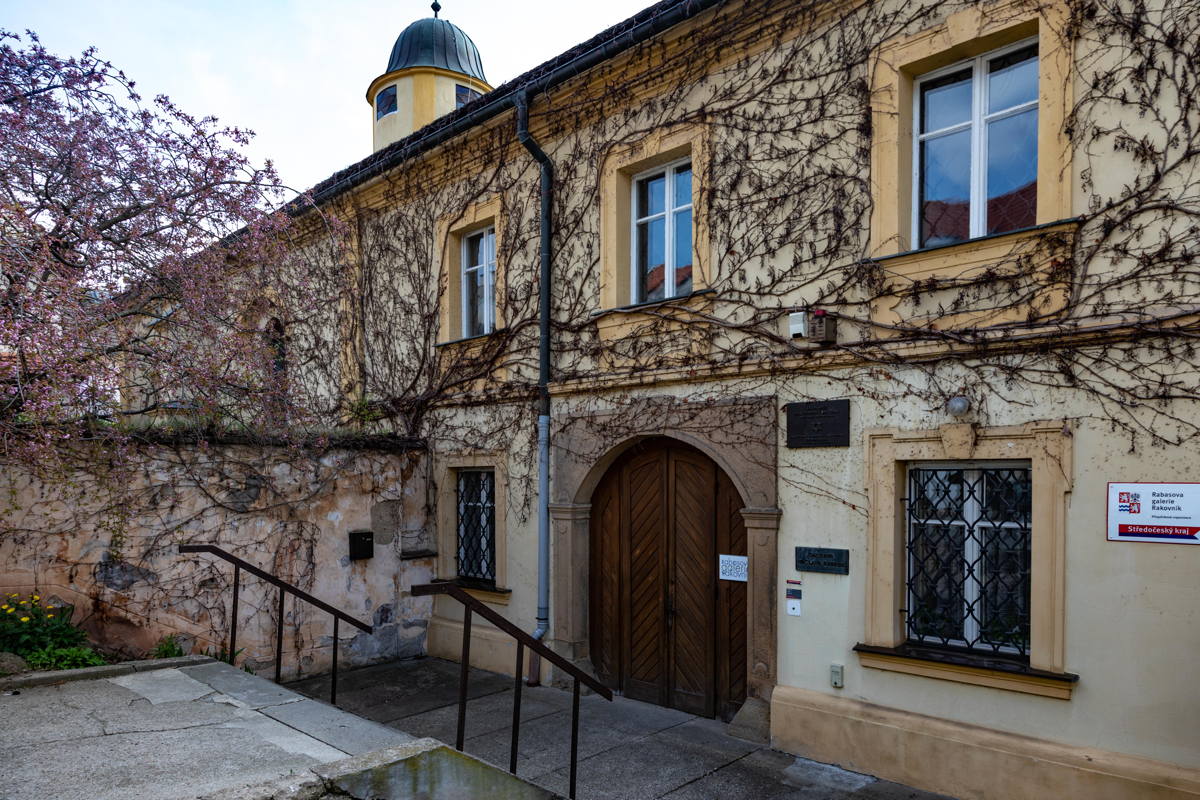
436,6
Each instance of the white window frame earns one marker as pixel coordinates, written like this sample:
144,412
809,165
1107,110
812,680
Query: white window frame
978,124
487,250
669,211
972,585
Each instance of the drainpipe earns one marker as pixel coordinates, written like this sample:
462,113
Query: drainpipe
547,185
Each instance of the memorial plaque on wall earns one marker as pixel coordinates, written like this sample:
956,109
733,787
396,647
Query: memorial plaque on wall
830,560
825,423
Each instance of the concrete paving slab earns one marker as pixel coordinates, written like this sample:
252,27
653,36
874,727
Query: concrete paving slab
487,714
47,714
141,716
639,769
164,766
630,716
761,775
164,686
253,691
708,735
285,737
389,692
545,744
347,732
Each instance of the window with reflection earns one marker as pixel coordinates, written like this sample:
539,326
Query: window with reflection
385,102
976,147
479,283
464,95
662,233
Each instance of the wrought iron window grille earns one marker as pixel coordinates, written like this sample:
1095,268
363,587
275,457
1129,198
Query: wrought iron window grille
968,554
476,552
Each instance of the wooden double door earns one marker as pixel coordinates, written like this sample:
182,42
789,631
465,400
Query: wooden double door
663,628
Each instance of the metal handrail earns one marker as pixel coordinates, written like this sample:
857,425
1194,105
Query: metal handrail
474,605
284,588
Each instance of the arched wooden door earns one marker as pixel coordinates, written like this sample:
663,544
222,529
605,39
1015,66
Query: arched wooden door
663,628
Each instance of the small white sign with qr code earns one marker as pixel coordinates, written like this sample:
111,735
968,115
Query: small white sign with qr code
733,568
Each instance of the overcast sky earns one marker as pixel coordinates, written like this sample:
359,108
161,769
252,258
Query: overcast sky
296,72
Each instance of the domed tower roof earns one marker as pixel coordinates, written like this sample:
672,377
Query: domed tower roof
433,42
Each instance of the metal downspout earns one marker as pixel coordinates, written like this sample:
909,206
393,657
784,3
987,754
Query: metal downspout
547,192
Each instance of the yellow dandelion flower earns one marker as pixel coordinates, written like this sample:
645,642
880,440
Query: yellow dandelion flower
49,616
24,602
4,606
35,597
9,611
24,619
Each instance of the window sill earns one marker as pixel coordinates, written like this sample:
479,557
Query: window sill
635,307
979,241
653,318
468,341
493,595
997,674
919,284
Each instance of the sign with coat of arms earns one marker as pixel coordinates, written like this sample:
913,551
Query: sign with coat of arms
1154,512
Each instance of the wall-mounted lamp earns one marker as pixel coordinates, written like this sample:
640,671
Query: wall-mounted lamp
958,405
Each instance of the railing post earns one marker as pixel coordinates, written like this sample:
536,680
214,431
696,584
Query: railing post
574,736
333,685
462,681
237,580
279,640
516,723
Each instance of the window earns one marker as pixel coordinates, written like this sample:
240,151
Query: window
966,564
476,503
479,283
662,240
277,346
464,95
976,147
385,102
968,551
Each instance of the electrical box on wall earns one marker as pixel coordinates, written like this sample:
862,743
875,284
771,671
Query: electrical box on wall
822,327
362,545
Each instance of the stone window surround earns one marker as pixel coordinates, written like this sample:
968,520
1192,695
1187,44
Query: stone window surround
1047,447
617,174
447,520
451,232
965,34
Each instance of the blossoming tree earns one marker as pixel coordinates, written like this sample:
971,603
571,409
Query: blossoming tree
135,243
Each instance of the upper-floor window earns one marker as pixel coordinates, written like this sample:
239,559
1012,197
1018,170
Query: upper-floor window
969,564
385,102
975,158
479,282
662,233
464,95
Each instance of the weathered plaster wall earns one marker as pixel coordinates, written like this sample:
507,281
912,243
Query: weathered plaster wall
109,546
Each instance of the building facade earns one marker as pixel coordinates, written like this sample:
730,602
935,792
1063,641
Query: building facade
877,298
858,314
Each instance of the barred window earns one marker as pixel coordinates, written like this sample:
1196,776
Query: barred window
477,525
968,557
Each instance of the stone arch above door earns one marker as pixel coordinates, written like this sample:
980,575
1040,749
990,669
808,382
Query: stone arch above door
741,437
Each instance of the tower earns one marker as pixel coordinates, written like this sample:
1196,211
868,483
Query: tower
434,69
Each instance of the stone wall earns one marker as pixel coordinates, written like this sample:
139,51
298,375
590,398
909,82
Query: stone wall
107,542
